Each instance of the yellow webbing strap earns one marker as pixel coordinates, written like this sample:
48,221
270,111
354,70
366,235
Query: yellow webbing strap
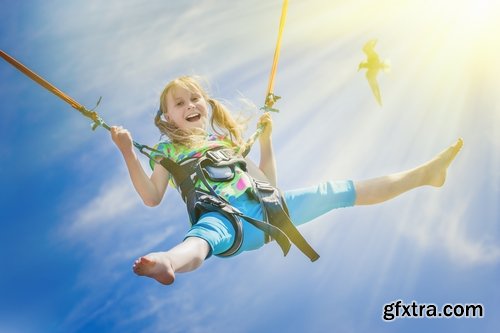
270,97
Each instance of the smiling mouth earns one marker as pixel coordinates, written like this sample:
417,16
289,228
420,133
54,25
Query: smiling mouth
193,117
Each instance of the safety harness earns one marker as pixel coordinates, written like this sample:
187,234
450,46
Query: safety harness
218,165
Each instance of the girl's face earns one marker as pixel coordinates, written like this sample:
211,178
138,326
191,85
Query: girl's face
186,108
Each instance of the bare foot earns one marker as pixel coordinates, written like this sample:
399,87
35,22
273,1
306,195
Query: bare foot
155,265
435,170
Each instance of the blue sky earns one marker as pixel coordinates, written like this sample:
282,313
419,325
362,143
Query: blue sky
72,225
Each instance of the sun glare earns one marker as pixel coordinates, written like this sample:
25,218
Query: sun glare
469,34
471,18
476,11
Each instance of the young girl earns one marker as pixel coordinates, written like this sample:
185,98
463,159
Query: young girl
194,124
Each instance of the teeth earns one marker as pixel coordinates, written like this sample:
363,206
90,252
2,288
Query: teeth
193,116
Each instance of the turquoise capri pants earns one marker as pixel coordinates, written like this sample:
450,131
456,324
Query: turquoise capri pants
303,204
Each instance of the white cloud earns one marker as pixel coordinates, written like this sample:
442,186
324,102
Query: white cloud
114,200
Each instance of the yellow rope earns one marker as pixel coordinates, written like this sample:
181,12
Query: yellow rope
270,95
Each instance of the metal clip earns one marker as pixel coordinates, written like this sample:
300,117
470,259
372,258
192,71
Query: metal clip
217,156
268,104
263,186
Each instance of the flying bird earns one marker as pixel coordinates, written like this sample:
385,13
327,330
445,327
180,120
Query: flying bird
373,65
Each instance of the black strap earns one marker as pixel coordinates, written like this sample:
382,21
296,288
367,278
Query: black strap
276,233
181,175
208,203
271,199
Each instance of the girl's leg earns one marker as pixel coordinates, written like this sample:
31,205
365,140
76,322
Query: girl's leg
309,203
433,173
212,234
306,204
185,257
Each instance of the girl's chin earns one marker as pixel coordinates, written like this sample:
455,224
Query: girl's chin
195,125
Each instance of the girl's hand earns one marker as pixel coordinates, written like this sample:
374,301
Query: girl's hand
122,138
266,121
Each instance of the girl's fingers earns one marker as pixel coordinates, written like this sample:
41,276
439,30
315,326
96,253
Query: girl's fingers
117,129
265,118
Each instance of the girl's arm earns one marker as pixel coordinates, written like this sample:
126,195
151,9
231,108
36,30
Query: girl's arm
150,189
267,161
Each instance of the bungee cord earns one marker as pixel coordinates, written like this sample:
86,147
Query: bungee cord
271,98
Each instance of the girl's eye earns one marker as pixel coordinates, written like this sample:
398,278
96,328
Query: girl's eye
180,103
195,99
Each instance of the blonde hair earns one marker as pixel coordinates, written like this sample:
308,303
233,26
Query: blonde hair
221,120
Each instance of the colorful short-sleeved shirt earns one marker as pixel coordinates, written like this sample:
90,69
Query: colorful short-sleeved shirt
228,190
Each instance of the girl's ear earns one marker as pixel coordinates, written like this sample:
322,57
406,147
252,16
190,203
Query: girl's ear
165,115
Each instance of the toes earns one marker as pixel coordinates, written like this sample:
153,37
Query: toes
160,270
147,262
137,268
142,265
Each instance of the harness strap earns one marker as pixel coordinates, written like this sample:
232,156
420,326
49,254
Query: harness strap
276,233
209,203
181,176
271,200
212,203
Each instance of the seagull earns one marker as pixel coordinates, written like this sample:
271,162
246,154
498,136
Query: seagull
373,65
